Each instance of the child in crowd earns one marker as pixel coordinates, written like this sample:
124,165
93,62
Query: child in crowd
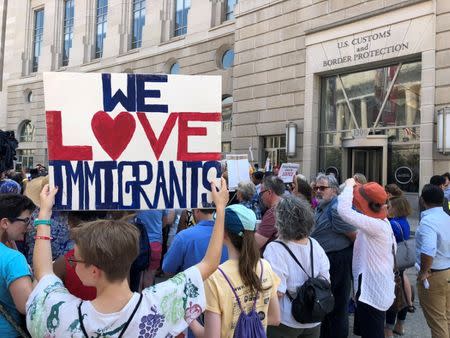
104,251
64,266
241,282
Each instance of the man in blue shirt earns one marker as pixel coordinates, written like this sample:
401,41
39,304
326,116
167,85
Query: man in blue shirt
189,246
433,256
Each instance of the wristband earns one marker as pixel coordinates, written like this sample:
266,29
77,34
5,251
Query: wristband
42,221
48,238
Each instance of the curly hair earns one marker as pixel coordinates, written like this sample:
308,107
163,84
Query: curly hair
294,218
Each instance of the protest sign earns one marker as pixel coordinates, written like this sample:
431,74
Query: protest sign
238,169
288,171
132,141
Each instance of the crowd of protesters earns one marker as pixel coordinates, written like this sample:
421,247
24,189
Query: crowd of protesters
211,272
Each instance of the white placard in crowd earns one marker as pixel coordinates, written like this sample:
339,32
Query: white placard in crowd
287,172
132,141
238,170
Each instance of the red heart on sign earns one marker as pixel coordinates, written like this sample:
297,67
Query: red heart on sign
113,134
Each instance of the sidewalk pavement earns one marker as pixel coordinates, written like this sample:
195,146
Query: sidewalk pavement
415,324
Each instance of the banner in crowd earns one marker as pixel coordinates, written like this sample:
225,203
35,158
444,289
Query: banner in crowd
132,141
238,169
288,171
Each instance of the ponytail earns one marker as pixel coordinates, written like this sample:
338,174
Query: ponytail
249,257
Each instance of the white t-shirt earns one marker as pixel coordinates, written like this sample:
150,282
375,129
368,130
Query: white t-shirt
166,309
292,276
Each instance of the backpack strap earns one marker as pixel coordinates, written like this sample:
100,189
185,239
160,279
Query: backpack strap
295,258
234,292
232,289
397,224
312,259
127,323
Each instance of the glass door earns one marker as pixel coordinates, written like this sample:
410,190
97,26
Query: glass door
367,161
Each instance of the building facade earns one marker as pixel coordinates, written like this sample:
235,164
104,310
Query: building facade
360,81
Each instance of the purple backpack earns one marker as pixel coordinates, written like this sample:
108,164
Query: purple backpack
249,325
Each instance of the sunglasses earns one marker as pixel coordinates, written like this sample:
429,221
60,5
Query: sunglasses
321,188
26,220
73,261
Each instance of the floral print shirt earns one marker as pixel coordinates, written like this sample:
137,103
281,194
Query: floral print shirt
166,310
61,242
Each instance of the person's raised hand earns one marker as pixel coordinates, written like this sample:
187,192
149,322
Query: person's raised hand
220,196
350,182
47,197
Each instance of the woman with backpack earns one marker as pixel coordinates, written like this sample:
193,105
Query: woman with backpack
241,295
294,221
364,206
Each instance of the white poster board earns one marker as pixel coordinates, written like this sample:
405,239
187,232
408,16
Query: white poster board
132,141
287,172
238,170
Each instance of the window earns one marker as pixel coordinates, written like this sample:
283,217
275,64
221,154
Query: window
226,147
37,37
382,101
100,31
275,149
181,15
138,22
227,110
229,9
26,132
68,30
175,68
228,59
29,96
24,159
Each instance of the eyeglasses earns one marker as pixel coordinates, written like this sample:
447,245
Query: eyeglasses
321,188
73,261
262,192
26,220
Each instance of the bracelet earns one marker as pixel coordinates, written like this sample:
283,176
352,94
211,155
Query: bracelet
48,238
42,221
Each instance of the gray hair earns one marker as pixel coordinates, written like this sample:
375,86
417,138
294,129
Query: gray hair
294,218
332,181
247,190
275,184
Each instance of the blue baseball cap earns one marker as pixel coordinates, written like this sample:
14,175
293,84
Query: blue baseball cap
239,218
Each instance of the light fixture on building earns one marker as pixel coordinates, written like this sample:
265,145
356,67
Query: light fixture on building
291,139
443,130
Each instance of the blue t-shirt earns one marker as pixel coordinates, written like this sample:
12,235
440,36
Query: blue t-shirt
189,247
152,220
399,225
13,265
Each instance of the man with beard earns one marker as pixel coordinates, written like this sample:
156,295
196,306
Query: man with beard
336,238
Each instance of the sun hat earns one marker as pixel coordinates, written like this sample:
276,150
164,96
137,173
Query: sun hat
34,187
239,218
370,194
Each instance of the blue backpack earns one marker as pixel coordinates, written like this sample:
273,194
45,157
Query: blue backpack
249,325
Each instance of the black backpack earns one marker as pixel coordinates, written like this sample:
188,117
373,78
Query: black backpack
314,299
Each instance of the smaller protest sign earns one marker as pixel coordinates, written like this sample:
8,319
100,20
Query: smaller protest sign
238,170
288,171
